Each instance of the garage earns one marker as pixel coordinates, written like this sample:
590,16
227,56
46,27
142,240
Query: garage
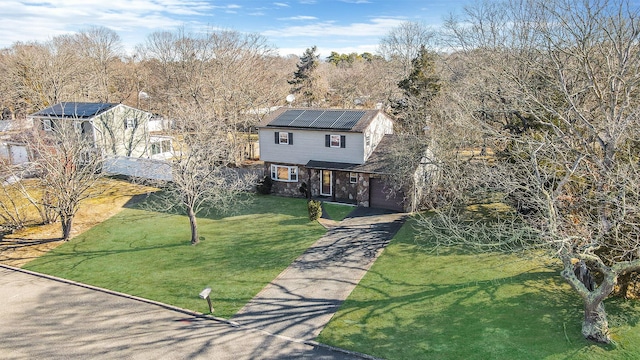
380,196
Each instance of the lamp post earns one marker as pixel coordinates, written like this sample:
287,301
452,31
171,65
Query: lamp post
204,294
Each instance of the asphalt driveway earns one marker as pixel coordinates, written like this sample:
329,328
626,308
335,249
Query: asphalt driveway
304,297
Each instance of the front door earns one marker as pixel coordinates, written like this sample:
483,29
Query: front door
326,177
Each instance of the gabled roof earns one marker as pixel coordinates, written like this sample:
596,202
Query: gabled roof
75,110
325,119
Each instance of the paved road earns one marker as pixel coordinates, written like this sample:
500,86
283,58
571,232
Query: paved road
42,318
304,297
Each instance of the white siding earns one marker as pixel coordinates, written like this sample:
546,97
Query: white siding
378,128
310,145
142,168
128,142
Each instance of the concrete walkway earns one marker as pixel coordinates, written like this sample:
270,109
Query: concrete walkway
47,318
304,297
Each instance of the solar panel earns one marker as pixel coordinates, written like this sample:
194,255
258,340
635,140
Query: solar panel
348,120
306,118
75,109
327,118
320,119
286,118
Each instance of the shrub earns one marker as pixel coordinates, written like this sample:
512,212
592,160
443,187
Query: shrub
264,186
315,209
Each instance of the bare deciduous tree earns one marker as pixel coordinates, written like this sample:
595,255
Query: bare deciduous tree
202,177
68,167
100,50
552,87
402,44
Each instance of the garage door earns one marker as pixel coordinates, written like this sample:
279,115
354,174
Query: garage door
380,196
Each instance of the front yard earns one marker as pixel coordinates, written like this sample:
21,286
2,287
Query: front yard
413,304
148,254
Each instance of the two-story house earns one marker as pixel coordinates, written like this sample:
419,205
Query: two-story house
114,129
119,133
334,153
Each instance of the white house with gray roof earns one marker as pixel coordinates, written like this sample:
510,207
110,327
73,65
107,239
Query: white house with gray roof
119,133
335,153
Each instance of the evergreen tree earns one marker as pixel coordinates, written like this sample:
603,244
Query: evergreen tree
305,79
419,88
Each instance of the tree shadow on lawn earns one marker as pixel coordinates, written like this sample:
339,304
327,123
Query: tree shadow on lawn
249,204
528,315
79,256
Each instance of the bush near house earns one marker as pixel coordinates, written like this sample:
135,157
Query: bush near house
315,209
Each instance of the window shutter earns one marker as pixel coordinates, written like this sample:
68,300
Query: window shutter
290,138
327,140
343,141
277,137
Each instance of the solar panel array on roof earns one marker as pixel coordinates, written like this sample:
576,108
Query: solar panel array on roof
321,119
348,120
75,109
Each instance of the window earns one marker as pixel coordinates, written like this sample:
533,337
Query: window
284,173
85,158
335,141
130,123
353,178
47,125
159,147
284,138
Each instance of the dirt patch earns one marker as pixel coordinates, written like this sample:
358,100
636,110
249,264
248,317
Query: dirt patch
29,243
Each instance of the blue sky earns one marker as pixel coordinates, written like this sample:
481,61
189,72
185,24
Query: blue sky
333,25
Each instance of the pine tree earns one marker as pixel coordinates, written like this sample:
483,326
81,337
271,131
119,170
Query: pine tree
419,88
305,78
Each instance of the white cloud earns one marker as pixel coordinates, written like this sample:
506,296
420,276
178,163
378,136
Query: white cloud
377,27
25,20
301,17
279,4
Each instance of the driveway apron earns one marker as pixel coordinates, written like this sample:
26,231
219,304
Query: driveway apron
304,297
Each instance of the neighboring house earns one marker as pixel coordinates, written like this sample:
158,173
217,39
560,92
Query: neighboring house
121,134
15,153
114,129
12,148
337,154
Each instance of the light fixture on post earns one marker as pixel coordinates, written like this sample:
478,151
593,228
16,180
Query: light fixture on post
204,294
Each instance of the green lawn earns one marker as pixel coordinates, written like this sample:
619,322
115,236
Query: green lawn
416,305
337,212
148,254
